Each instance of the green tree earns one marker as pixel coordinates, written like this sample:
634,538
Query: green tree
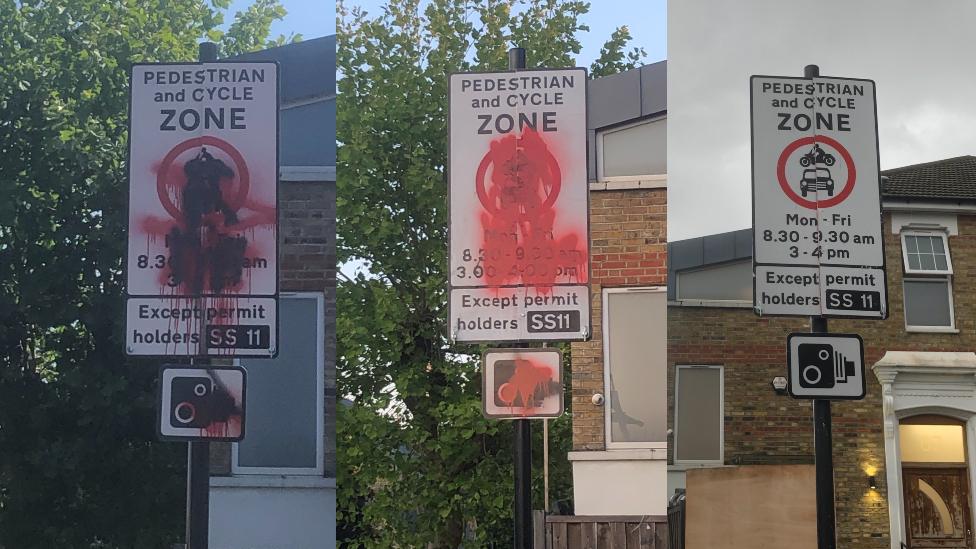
613,55
418,464
79,467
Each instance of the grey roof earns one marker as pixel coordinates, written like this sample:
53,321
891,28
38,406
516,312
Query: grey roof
308,100
629,95
307,67
624,97
949,179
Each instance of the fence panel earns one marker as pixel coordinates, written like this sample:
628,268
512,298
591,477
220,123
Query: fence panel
605,532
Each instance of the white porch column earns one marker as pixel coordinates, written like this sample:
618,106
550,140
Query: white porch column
892,468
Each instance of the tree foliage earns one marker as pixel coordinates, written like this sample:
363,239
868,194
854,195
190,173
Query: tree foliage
614,56
418,463
79,467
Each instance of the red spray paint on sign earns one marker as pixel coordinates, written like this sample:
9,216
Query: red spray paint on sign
210,216
520,245
529,384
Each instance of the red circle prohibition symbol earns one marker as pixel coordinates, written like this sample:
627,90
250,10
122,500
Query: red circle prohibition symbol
243,175
814,204
554,178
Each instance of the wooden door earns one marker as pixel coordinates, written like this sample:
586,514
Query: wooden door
937,508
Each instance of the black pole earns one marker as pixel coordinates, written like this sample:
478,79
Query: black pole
208,52
198,453
198,495
523,429
523,484
516,58
822,437
823,451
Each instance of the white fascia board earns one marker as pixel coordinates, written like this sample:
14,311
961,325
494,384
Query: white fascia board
294,104
630,454
911,205
308,173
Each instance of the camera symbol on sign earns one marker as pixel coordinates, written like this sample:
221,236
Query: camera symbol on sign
198,402
821,367
190,406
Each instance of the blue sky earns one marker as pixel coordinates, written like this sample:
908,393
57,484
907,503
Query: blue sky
647,20
310,18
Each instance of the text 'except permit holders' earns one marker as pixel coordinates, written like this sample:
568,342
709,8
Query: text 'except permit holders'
827,291
240,326
516,314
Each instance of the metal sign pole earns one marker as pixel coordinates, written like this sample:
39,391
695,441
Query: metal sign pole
523,429
822,438
198,495
823,446
523,484
198,452
545,464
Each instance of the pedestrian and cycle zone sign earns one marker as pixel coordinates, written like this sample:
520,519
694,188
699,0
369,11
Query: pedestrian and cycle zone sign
818,247
202,269
519,231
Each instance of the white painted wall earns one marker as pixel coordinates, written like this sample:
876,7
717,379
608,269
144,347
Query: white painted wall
677,480
272,513
620,482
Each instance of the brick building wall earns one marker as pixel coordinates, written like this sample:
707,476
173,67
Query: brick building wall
762,427
628,239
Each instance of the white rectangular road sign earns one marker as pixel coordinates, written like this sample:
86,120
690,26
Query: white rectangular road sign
518,198
825,366
810,291
816,193
203,179
164,326
522,383
201,403
520,314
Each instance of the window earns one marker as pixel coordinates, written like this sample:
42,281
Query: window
931,439
285,396
634,150
728,282
928,282
926,253
698,415
635,367
928,303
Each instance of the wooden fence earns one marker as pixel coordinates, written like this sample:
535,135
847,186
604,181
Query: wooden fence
600,532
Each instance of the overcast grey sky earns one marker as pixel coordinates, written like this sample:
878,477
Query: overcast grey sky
920,54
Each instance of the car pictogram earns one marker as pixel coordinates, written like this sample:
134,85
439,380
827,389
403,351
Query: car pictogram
816,179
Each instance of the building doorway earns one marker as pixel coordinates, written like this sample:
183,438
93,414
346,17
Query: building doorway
935,480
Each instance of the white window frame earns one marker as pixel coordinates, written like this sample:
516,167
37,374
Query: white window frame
945,243
721,415
319,469
607,405
951,328
601,164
